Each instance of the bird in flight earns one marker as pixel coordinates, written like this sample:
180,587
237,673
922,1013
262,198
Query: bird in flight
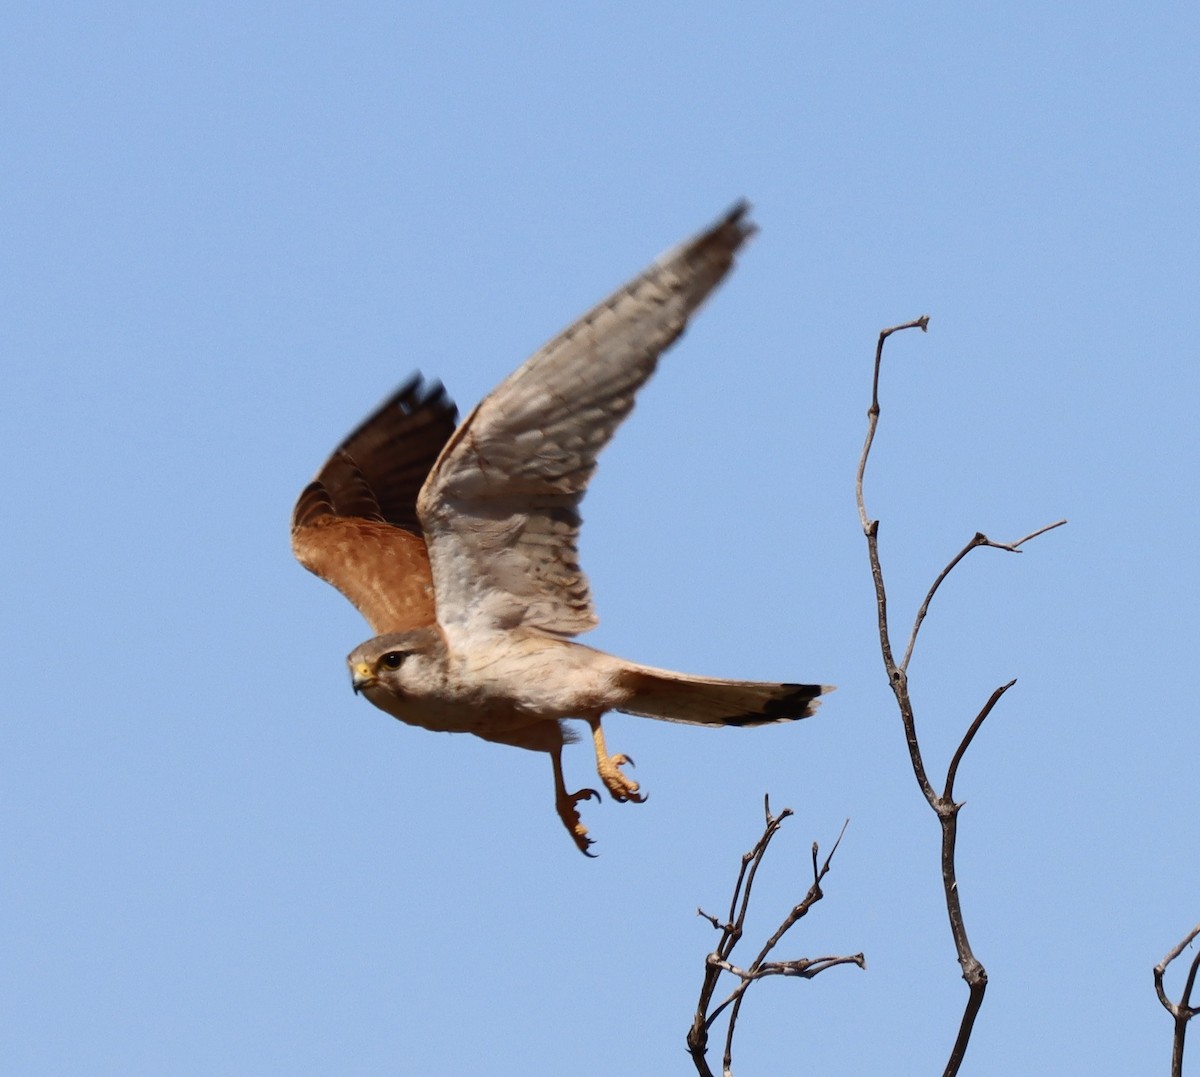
458,541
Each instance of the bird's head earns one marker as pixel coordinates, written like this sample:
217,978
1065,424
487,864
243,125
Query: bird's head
400,663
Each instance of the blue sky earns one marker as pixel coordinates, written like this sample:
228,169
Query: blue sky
230,230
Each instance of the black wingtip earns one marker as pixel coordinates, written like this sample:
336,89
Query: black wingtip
414,394
737,220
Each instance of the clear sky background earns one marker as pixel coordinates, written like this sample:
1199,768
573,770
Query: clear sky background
230,229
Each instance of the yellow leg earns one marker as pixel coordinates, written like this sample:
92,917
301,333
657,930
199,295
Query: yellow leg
608,767
565,802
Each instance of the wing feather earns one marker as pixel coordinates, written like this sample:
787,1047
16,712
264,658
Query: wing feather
355,525
500,509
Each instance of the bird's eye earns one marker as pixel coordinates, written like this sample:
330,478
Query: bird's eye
392,660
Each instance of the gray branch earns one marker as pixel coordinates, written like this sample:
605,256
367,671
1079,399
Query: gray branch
718,962
944,806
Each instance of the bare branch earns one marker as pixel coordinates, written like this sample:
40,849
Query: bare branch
1014,547
760,968
965,743
1183,1010
944,806
921,323
980,539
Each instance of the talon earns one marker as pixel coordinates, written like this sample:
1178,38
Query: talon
565,803
621,787
582,841
571,820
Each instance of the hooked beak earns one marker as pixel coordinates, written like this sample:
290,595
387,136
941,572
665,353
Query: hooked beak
361,677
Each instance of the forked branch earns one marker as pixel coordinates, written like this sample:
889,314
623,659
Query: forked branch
943,805
1183,1010
718,962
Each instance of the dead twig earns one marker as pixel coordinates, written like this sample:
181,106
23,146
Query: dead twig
760,968
1183,1010
943,805
980,539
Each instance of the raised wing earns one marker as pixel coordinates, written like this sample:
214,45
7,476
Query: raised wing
355,525
500,509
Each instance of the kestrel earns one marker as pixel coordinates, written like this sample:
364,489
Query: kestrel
457,542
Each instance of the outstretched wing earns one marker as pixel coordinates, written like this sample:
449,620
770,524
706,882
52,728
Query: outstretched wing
355,525
500,510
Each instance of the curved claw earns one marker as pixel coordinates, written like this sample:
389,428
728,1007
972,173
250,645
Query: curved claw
570,817
582,841
622,789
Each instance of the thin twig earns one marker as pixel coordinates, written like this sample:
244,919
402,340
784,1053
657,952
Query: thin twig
760,968
980,539
965,743
921,323
1183,1010
944,806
